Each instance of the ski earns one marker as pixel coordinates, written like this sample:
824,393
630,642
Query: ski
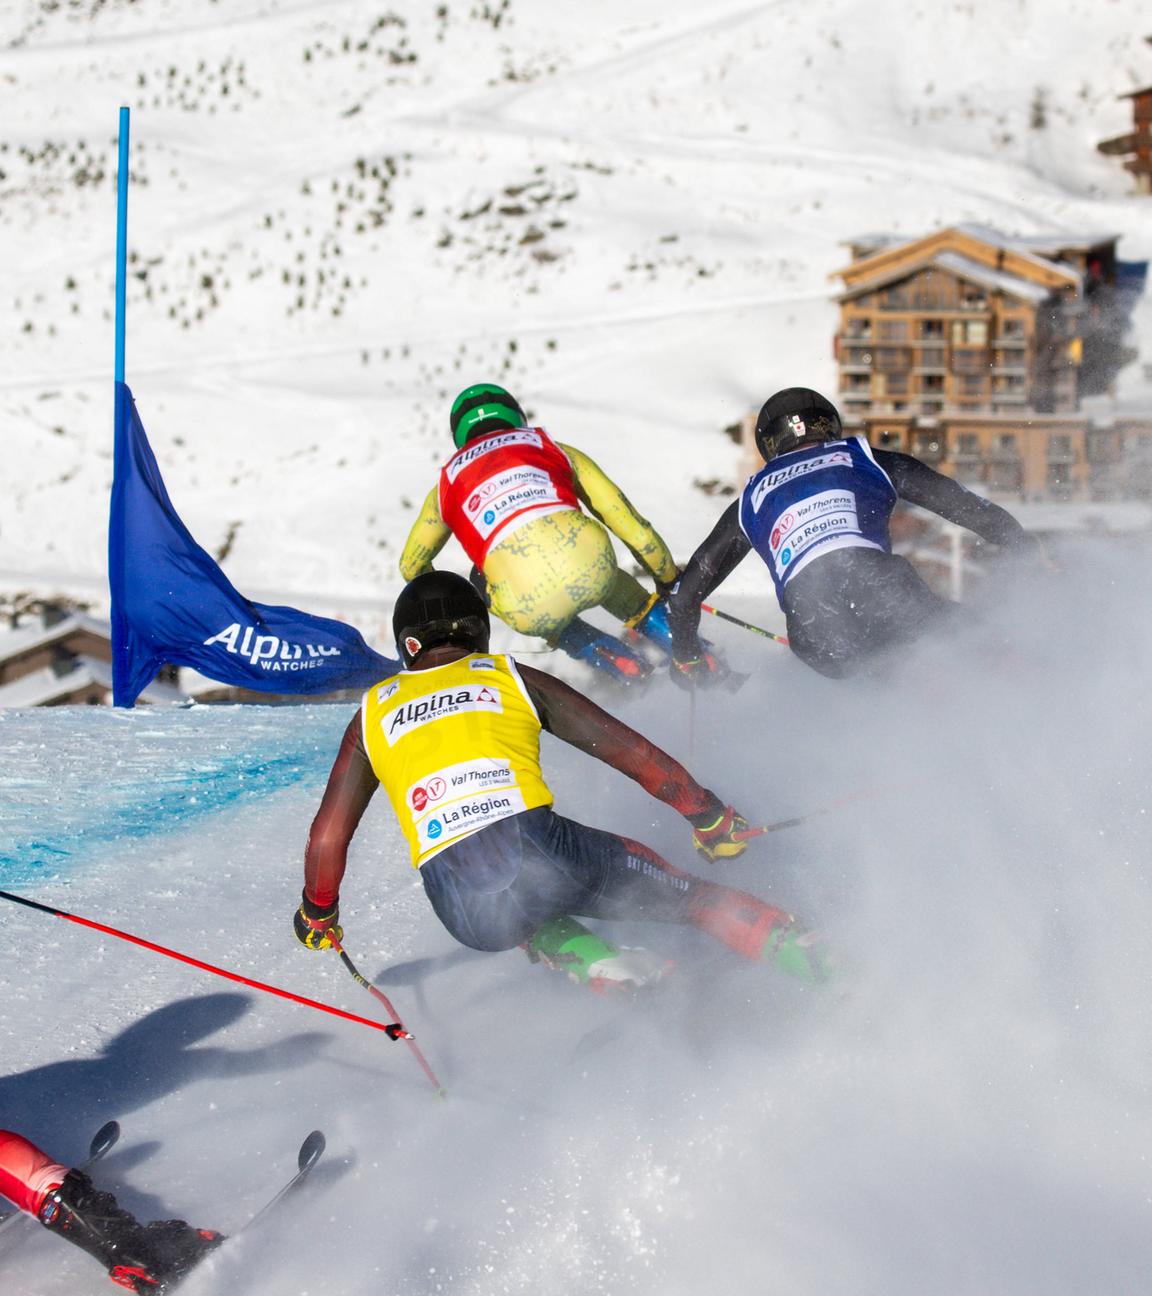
311,1150
103,1141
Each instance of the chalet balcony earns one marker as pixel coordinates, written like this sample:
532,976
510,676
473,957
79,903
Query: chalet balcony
890,358
856,355
1012,369
971,360
931,358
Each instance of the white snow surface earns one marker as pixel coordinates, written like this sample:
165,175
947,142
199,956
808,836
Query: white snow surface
967,1112
970,1112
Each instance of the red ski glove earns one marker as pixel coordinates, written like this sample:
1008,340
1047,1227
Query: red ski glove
313,922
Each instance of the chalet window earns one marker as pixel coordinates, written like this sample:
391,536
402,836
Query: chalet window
1013,328
894,298
859,329
927,445
1006,443
972,298
1059,446
969,444
888,440
931,406
971,384
932,357
969,333
893,331
932,383
932,329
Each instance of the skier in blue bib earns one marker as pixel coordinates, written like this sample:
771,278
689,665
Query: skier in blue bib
817,513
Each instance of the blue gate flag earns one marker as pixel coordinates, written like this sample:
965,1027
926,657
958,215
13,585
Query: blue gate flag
172,603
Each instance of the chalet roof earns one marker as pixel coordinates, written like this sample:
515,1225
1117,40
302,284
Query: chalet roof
24,638
1135,94
1041,250
44,686
961,266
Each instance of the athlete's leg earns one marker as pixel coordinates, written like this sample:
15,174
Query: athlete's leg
550,570
612,877
847,608
26,1173
627,599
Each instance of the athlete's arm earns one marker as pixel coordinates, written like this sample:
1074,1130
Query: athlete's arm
919,484
570,716
712,563
607,502
428,536
350,787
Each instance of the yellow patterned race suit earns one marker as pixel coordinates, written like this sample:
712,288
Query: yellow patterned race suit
559,564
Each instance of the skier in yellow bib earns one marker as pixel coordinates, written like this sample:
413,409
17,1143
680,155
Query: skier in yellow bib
454,739
514,498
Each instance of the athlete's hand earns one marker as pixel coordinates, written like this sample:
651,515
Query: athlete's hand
314,923
718,836
665,589
705,669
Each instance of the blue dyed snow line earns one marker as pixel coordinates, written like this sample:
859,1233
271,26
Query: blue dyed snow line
198,794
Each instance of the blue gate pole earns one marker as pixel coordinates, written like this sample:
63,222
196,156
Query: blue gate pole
121,242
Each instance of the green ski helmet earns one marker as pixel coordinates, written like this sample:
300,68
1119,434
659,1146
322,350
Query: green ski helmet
481,408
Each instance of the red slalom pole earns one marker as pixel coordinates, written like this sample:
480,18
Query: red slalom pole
400,1032
393,1031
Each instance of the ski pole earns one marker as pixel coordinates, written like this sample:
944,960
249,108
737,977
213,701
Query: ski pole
392,1031
746,625
749,833
400,1032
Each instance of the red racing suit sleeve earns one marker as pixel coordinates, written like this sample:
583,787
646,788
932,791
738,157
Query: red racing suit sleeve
350,787
573,718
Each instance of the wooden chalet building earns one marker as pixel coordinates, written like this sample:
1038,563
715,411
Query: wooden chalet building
971,349
971,321
1136,145
65,657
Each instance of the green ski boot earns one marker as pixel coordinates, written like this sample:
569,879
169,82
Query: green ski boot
799,953
568,946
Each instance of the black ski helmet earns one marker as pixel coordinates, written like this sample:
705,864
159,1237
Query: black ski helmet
439,607
792,416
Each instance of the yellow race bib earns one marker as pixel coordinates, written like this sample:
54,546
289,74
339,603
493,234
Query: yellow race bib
456,747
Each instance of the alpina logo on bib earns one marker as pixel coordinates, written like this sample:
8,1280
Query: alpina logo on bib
435,706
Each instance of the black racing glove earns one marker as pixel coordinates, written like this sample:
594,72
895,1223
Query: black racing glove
313,923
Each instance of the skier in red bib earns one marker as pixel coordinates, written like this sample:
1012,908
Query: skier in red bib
516,501
141,1257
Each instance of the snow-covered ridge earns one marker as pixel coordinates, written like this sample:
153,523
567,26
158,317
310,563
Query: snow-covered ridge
343,212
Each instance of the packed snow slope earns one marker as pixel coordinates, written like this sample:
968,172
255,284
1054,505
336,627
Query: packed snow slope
968,1111
342,212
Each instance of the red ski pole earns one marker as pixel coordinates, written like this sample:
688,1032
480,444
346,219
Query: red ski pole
749,833
392,1029
379,994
